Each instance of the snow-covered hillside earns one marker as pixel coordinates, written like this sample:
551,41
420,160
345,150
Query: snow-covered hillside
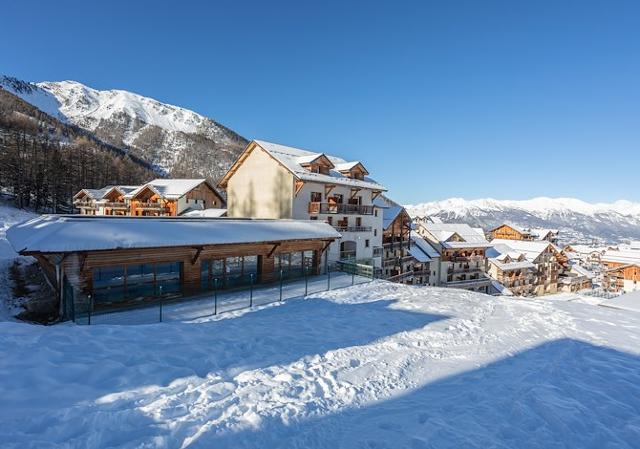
172,138
578,220
379,365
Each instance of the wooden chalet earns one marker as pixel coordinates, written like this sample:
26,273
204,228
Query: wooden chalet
113,261
511,232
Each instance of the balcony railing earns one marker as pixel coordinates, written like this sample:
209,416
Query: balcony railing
395,245
85,204
150,206
339,208
116,205
347,255
482,280
353,228
377,251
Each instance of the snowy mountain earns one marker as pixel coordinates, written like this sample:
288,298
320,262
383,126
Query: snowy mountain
577,220
176,140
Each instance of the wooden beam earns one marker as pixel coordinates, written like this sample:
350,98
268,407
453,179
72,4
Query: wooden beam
275,246
328,188
194,259
326,245
375,194
299,185
354,192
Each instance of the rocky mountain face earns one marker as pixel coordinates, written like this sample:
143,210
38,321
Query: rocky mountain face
176,141
578,221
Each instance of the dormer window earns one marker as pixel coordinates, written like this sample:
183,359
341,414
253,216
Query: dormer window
354,170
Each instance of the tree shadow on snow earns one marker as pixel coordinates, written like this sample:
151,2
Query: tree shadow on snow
564,394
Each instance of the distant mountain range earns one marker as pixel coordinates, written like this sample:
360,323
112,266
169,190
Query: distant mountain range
578,221
174,140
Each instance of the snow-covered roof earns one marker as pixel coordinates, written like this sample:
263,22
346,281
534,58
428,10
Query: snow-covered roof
541,233
621,256
582,271
509,266
169,188
207,213
501,288
71,233
425,247
586,249
390,210
290,158
444,231
530,248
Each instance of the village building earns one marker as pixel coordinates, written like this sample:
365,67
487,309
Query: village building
576,278
511,270
621,269
587,256
160,197
110,262
512,232
406,257
462,258
543,255
274,181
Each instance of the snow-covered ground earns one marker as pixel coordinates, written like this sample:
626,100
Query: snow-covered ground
8,217
377,365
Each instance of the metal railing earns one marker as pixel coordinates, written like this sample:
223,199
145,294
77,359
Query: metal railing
339,208
192,303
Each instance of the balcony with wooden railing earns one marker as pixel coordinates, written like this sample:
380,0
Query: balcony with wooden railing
339,208
116,205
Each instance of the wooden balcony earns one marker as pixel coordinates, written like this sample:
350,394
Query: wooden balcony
116,205
339,208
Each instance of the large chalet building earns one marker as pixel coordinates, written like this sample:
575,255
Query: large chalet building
275,181
513,232
621,268
462,254
157,198
544,256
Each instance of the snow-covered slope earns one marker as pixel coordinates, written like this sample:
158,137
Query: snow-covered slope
175,139
374,366
578,220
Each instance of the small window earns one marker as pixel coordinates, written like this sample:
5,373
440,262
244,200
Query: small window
316,197
375,212
366,243
313,217
375,232
330,220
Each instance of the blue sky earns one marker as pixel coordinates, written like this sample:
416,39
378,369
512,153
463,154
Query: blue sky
507,99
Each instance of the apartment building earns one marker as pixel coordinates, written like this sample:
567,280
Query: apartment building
462,254
406,257
621,268
160,197
543,255
511,270
513,232
270,180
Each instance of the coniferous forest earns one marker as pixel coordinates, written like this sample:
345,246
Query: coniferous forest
44,162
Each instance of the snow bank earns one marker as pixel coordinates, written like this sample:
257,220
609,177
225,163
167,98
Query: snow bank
379,365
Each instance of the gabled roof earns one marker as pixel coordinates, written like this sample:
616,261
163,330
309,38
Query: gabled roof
95,194
390,210
621,256
514,227
289,158
73,233
348,166
170,188
421,249
314,157
443,232
530,248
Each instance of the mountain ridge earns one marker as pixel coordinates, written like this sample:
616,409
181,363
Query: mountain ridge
175,140
579,221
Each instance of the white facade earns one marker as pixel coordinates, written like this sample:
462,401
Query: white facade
363,229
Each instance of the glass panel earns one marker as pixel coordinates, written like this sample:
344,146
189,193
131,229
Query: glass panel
204,275
139,273
296,264
168,270
108,276
109,294
217,268
144,290
251,266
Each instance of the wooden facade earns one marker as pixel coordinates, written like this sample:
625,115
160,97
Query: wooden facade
619,276
78,269
510,233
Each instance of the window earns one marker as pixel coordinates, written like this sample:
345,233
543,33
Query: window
375,212
338,198
358,221
330,220
316,197
138,281
375,232
366,243
313,217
